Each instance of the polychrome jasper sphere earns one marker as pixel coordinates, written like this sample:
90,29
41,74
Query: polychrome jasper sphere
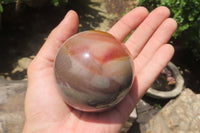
94,71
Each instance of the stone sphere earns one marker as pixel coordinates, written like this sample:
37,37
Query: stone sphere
94,71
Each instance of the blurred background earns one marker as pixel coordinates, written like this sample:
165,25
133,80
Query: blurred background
25,25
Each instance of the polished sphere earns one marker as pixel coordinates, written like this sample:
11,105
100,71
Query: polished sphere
94,71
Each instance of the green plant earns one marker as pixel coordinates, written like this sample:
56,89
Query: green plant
18,2
58,2
156,105
1,7
5,2
187,15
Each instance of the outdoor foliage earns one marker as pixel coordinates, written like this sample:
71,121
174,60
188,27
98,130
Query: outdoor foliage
58,2
29,3
18,2
5,2
187,15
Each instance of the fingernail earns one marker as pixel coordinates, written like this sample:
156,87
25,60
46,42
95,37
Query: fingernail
68,14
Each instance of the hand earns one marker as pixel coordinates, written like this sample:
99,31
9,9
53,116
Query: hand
45,110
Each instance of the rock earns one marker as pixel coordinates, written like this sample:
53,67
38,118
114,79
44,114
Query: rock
22,64
181,115
12,94
145,112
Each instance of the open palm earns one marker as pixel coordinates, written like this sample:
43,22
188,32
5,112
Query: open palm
45,110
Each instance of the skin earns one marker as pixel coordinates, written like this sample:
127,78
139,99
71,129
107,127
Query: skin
45,110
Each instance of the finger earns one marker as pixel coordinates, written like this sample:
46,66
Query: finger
62,32
160,37
141,35
127,23
41,93
153,68
145,78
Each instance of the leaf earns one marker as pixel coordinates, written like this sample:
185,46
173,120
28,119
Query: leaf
184,27
164,1
187,15
65,1
8,1
190,18
55,2
198,18
1,8
141,1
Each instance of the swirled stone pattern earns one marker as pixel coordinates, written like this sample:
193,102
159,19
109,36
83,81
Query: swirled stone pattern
94,71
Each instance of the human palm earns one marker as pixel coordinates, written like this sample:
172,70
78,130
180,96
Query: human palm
45,109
